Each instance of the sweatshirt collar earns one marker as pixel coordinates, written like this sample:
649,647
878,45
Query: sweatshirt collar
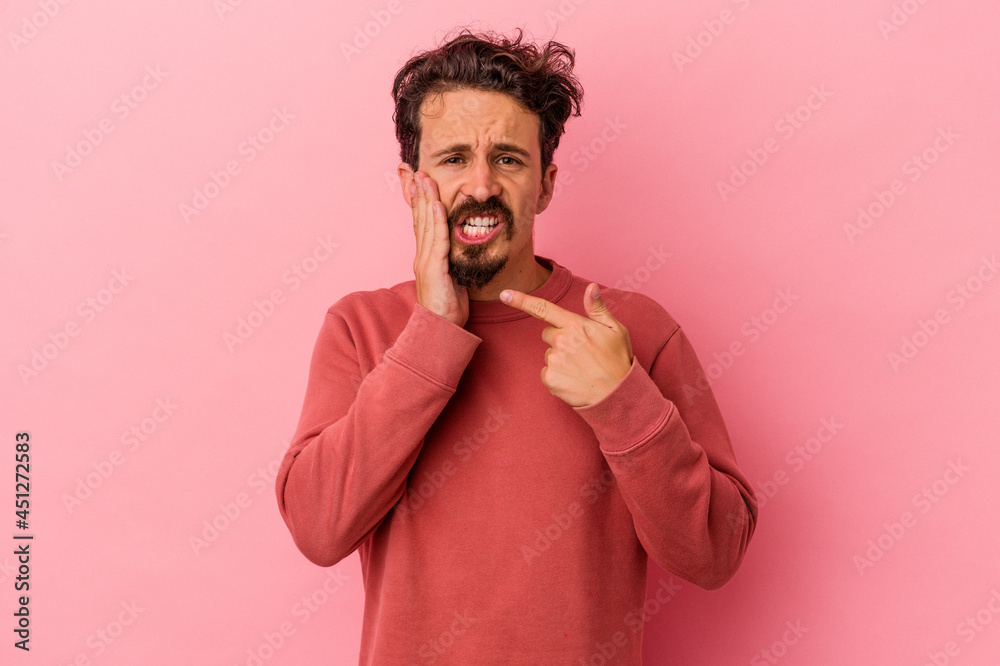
553,289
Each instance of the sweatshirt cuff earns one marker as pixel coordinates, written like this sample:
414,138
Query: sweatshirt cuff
630,414
434,347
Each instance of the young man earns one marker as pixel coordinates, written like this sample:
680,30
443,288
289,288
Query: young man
505,466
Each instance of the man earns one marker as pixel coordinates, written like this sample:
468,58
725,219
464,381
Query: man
505,466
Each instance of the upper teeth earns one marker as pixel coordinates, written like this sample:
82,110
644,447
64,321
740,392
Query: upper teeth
481,221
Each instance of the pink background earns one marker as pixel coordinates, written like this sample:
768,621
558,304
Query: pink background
848,550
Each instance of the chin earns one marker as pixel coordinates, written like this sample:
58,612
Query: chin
478,273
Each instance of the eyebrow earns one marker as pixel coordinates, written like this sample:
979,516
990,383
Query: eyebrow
464,147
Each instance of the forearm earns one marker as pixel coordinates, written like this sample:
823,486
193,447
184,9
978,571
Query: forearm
693,510
351,454
693,516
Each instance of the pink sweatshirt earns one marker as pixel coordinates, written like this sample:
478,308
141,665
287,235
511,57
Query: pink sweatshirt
496,524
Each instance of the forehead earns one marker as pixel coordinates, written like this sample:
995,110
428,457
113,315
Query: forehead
477,118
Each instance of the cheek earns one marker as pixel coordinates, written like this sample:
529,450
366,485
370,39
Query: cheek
525,211
521,203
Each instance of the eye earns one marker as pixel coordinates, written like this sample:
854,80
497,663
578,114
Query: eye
513,160
449,160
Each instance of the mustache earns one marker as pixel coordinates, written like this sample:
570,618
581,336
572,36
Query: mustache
473,208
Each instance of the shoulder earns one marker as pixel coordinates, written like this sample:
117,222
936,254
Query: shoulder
639,307
648,323
387,308
629,307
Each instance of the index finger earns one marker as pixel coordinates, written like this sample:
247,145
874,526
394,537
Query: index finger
537,307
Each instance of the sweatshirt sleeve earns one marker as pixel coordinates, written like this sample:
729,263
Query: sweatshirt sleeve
664,439
355,443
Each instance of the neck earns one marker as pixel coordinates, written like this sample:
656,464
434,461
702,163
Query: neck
521,278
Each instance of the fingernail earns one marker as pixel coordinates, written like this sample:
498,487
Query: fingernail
597,293
505,296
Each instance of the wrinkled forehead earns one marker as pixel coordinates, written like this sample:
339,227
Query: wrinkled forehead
476,118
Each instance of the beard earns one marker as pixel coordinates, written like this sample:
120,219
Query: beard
475,265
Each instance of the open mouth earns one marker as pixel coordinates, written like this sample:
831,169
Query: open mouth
477,229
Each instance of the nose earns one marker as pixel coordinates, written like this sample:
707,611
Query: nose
481,182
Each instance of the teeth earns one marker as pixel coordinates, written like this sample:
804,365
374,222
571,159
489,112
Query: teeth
474,227
474,232
480,221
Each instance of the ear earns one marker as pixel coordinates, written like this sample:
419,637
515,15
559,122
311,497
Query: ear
548,187
405,178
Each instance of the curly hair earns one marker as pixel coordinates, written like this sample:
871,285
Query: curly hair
541,81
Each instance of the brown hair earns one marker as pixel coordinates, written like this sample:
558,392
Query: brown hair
540,81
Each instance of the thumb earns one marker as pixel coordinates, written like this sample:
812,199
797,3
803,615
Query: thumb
594,306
